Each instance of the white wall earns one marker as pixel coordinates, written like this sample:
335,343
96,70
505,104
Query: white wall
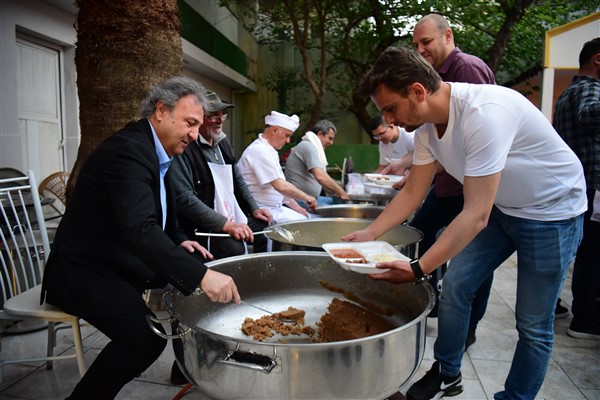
40,20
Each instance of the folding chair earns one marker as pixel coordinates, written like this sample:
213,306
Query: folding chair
24,249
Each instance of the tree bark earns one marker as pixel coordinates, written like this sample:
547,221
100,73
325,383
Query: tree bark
123,48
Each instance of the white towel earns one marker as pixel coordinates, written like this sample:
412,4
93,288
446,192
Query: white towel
314,139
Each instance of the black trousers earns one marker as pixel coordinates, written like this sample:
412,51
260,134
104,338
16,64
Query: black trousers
437,213
133,347
585,285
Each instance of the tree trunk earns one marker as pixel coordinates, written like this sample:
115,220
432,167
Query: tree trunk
515,10
123,48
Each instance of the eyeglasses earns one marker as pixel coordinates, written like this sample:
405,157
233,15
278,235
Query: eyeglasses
379,136
216,116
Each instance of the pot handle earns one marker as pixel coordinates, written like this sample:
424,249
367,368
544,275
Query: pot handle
253,361
151,319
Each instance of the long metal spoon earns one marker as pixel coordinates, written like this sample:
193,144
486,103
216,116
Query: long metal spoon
288,320
287,235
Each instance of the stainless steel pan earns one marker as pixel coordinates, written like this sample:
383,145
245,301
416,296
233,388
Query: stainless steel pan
313,233
226,364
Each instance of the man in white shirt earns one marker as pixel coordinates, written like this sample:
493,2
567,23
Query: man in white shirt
260,168
395,144
524,191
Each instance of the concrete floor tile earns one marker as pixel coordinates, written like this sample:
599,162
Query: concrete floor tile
494,343
492,374
591,394
581,365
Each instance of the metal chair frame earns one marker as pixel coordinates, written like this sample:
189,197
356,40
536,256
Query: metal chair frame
24,249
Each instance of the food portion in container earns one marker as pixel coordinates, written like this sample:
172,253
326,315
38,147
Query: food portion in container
343,321
268,325
383,257
345,253
346,321
384,180
366,255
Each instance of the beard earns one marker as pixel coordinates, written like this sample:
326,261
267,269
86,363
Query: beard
412,107
411,128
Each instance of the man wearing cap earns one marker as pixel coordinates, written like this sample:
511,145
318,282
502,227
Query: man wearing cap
306,165
259,165
211,193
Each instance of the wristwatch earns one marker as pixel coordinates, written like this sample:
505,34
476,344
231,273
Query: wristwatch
419,275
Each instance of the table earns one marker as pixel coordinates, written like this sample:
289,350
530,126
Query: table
372,194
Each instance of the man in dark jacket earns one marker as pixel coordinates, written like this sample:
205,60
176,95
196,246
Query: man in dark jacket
119,236
211,194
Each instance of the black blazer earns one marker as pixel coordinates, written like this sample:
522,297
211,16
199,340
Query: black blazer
110,244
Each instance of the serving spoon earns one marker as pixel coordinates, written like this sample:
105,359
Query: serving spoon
284,233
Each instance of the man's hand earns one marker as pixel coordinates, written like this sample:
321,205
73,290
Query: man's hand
311,202
263,214
394,168
358,236
399,272
293,204
399,167
219,287
238,231
193,246
400,184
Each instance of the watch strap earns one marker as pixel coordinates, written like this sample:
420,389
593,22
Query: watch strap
420,276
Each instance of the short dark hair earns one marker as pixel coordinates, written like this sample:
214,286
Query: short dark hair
589,50
397,68
376,122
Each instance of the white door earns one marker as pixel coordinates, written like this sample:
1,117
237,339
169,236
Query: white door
39,108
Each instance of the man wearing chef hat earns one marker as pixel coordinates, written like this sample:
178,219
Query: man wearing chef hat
260,168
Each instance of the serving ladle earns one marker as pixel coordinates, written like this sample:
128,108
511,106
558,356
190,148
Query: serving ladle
284,233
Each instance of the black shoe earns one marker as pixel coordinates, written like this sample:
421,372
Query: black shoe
470,338
435,385
560,311
578,330
177,377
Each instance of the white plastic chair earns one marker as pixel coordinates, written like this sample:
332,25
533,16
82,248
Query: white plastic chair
24,249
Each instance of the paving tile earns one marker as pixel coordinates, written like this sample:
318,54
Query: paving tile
580,364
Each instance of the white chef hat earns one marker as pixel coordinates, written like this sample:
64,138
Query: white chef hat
285,121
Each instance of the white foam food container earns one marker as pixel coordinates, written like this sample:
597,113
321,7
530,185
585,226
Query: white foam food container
373,252
384,180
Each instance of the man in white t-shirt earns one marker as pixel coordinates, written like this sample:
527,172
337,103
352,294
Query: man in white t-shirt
395,144
524,191
260,168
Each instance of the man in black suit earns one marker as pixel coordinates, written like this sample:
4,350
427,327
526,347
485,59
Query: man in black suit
119,236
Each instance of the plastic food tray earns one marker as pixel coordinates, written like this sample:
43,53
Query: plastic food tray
372,252
384,180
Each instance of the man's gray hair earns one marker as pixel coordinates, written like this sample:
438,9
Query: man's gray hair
324,126
170,91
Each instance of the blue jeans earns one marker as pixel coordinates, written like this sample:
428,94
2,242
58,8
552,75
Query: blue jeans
436,213
545,250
